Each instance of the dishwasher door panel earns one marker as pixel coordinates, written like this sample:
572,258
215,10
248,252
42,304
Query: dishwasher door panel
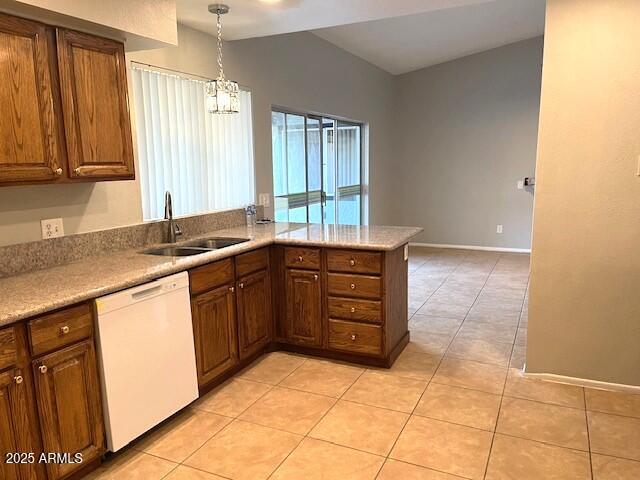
147,357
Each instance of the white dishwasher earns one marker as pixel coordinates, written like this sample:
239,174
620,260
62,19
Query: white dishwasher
146,356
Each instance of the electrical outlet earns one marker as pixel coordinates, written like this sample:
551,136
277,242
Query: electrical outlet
52,228
520,184
264,199
499,229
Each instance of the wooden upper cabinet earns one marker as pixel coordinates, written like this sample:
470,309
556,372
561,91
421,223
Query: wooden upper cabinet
93,86
304,307
214,332
29,136
254,312
68,395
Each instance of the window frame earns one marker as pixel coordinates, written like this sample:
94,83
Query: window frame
320,116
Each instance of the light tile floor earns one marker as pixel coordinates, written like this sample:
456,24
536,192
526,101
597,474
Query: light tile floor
454,405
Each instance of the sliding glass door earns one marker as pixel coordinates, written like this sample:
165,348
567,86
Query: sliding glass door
317,163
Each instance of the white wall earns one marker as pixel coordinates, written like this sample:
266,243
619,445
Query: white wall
584,307
299,71
466,132
141,23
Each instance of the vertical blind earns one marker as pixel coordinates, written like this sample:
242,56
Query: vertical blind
204,160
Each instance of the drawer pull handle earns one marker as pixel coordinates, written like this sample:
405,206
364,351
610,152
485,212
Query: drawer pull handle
353,309
232,289
353,286
64,330
18,379
300,259
43,368
241,285
352,262
315,277
353,337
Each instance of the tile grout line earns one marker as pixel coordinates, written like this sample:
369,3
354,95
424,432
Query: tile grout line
306,435
428,382
504,386
586,420
236,417
435,369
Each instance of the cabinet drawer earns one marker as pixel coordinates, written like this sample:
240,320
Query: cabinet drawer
361,286
252,262
8,349
355,337
353,261
60,329
297,257
353,309
211,276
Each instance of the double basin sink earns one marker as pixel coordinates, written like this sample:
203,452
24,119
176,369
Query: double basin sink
195,247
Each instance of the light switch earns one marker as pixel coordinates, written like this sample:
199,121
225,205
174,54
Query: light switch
499,229
520,184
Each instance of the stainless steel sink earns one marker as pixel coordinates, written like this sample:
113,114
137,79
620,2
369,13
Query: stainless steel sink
215,242
175,251
195,247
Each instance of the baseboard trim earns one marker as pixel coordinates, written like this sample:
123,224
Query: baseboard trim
584,382
471,247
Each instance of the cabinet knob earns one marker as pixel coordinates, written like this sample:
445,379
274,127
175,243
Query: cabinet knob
232,289
58,171
241,285
315,277
77,171
64,330
353,309
43,368
352,262
353,286
18,379
300,259
353,337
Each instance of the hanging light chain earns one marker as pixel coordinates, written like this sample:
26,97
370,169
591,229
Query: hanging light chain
220,47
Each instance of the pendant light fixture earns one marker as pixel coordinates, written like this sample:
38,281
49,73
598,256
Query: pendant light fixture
222,94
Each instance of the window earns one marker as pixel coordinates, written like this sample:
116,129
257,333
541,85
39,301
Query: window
204,160
317,163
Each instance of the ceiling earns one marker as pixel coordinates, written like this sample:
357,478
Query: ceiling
396,35
402,44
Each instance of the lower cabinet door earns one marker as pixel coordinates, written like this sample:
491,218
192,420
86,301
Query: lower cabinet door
214,331
18,428
68,395
254,312
304,312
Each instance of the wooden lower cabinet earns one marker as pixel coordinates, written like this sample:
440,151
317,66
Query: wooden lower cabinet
304,307
18,425
214,329
68,393
254,312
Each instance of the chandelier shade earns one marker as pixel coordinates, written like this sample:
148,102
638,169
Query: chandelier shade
223,96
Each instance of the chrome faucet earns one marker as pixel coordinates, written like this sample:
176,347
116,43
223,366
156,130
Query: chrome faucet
173,228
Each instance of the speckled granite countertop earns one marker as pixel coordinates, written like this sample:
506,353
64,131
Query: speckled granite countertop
40,291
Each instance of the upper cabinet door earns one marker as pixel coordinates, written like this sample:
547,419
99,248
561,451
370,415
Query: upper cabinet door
93,84
29,141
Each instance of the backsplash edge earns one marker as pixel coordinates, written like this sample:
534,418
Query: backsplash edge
24,257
